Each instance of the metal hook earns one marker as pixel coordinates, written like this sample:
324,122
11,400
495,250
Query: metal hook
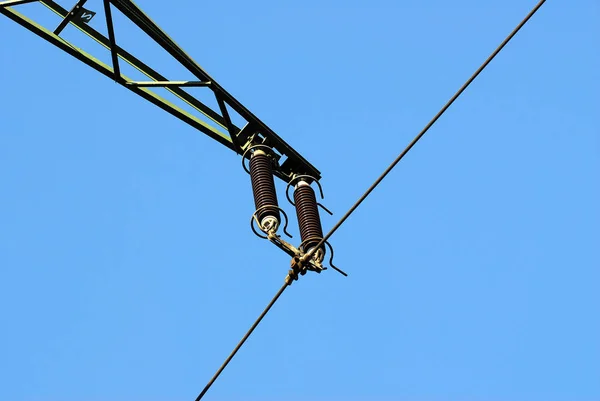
253,219
324,208
287,192
343,273
334,267
298,177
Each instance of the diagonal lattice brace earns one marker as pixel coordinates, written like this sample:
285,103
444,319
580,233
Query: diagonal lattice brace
77,8
114,53
108,71
136,63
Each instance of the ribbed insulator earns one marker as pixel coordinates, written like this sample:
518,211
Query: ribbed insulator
308,215
263,188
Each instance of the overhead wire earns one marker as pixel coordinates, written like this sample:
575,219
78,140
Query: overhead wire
242,341
308,255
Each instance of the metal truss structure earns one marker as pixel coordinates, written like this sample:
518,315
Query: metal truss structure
218,124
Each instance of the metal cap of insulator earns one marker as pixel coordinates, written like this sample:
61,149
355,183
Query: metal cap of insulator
263,188
309,220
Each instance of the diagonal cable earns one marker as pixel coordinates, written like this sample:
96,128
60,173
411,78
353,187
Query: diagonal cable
368,192
243,340
308,255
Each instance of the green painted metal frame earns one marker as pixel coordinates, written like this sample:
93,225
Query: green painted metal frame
220,128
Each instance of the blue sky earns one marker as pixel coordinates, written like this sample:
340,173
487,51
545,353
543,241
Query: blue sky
128,268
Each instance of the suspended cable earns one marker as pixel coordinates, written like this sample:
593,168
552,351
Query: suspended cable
316,247
308,255
243,340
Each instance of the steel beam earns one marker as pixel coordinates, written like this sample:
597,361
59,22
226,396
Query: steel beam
12,3
114,53
63,24
170,84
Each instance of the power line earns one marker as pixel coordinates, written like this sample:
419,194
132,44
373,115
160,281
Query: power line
308,255
243,340
368,192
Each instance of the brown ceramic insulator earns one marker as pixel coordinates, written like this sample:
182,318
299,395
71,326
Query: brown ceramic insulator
308,215
263,188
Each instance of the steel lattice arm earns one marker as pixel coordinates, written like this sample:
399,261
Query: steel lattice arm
217,124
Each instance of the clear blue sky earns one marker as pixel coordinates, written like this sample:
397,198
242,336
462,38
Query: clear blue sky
128,268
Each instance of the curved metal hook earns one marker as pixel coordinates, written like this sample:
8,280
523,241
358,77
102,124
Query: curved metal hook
287,192
298,177
343,273
334,267
303,244
246,169
285,225
253,219
324,208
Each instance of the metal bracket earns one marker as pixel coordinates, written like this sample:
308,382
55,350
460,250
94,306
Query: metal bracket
72,16
84,15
